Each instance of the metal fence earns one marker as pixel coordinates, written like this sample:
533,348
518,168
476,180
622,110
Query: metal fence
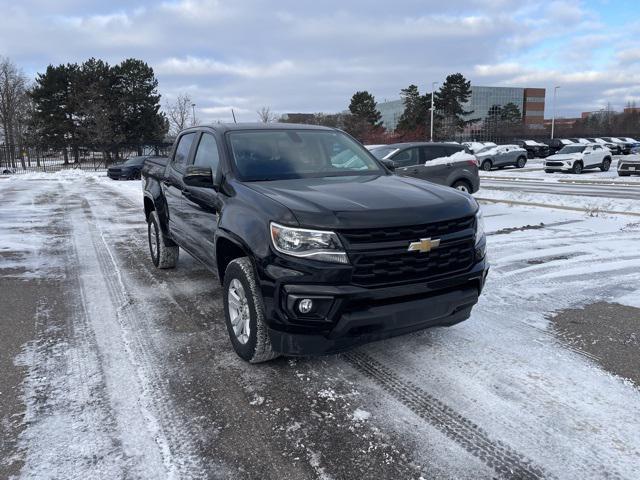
15,159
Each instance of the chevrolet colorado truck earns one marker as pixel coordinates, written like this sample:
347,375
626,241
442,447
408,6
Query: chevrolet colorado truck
317,245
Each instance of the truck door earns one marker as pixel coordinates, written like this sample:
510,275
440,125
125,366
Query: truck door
202,205
173,185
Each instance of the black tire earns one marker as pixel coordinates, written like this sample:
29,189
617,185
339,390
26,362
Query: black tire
606,164
486,165
521,162
163,253
462,185
577,168
257,347
546,170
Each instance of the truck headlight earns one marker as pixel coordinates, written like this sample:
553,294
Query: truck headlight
481,243
304,243
479,227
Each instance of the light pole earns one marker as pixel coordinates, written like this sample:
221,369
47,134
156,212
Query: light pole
553,115
193,111
433,87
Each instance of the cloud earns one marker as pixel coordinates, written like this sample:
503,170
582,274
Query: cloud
204,66
312,56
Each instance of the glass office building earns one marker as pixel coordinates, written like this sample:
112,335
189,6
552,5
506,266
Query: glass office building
530,102
483,98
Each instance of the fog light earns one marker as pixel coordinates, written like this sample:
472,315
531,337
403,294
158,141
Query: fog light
305,305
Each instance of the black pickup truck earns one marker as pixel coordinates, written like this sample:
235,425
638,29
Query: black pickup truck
317,245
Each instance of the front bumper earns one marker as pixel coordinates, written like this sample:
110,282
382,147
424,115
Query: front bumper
357,315
558,168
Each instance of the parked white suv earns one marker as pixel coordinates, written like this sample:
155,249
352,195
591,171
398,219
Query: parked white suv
577,157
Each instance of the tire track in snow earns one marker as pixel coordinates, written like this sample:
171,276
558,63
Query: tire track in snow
162,417
506,462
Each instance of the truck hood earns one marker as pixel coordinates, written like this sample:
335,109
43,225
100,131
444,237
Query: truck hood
565,157
366,201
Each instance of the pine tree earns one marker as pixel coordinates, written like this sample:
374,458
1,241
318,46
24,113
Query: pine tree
416,114
449,102
139,102
54,112
363,107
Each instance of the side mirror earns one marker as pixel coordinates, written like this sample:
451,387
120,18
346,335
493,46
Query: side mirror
196,176
390,164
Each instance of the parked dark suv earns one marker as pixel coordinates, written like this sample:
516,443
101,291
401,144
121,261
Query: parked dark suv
128,170
448,164
318,246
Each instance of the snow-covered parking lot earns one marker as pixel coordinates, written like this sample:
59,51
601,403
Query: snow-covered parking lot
113,369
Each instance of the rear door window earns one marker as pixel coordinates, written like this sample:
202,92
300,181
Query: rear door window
431,152
181,155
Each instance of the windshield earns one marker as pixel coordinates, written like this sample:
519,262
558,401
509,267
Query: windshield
287,154
134,161
382,152
572,149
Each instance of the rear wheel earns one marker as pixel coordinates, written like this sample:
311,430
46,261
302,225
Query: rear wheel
162,255
463,186
522,161
244,313
606,164
486,165
577,168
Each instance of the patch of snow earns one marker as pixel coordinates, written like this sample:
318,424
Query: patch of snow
361,415
460,156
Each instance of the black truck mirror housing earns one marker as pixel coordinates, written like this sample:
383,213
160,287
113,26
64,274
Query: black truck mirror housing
196,176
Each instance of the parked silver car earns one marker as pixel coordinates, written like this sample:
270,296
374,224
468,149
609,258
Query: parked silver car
443,163
501,156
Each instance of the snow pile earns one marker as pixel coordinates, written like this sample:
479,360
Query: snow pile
456,157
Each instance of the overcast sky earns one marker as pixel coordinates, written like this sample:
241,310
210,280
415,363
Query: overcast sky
310,56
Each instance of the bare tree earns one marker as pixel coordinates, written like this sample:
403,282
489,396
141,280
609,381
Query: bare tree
13,104
265,115
180,113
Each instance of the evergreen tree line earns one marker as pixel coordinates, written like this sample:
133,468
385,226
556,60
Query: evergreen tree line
364,120
92,105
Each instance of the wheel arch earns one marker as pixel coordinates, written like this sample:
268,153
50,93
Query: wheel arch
228,249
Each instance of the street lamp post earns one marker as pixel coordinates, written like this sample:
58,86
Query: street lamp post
553,116
433,87
193,111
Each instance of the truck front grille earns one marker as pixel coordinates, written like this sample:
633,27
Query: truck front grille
381,257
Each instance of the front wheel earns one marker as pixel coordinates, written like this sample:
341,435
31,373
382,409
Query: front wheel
462,186
244,313
577,168
522,161
486,165
162,255
606,164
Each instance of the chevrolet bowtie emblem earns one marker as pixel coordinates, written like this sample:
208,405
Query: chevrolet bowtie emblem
424,245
